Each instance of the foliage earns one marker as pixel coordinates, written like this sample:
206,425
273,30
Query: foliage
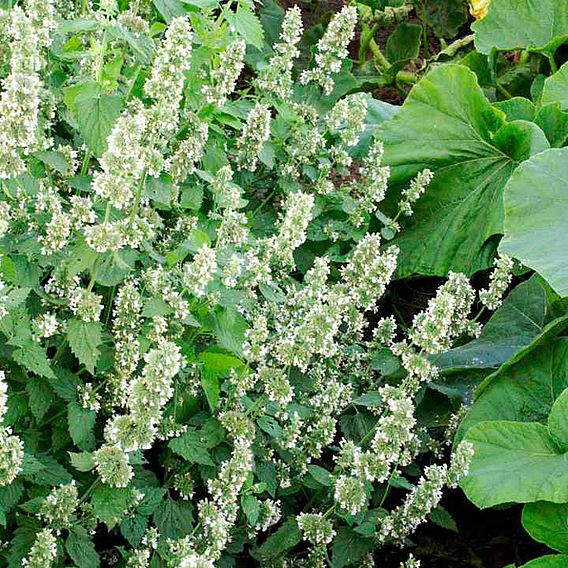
206,217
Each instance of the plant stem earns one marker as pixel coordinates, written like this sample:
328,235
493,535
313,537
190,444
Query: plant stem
381,61
552,61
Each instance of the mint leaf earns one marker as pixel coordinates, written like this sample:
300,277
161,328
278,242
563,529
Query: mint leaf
85,338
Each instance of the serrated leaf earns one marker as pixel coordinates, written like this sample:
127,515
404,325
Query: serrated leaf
85,338
95,112
320,474
349,547
278,544
174,519
83,461
110,503
190,447
81,425
248,26
81,549
40,397
442,518
31,355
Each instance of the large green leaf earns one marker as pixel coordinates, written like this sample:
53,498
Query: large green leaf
524,391
556,88
536,228
515,462
547,523
522,24
513,326
447,124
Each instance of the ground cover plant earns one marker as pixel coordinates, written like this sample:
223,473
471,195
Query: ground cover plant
208,215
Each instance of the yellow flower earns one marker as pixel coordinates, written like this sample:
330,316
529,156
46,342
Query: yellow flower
478,8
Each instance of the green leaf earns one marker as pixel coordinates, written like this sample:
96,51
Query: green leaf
279,543
81,549
191,448
556,88
251,508
85,338
174,519
404,43
216,366
443,519
558,421
247,25
446,124
535,226
133,529
551,561
522,24
31,355
514,462
82,462
554,123
115,266
547,523
446,16
517,108
320,474
141,45
349,547
81,425
40,397
95,112
513,326
521,139
110,503
524,391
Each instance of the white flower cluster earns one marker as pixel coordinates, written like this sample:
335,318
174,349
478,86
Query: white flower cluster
139,136
11,446
446,317
501,277
223,78
276,77
43,552
146,397
20,103
332,49
413,192
255,133
59,507
424,497
189,151
315,528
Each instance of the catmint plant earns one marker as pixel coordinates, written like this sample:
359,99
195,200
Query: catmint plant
191,265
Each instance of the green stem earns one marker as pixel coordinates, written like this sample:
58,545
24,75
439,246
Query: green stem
366,36
381,61
503,91
552,61
101,58
137,198
85,165
89,490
